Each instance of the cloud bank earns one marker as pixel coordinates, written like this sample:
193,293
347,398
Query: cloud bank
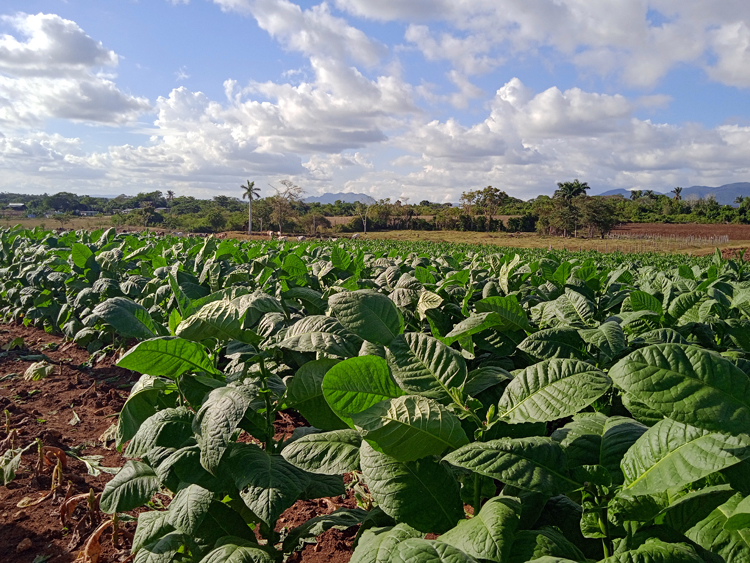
355,121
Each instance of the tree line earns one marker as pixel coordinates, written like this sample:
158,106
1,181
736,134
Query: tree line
570,211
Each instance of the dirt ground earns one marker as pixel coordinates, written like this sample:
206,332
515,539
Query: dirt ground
72,409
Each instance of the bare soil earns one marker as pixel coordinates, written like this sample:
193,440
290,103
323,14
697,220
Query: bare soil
47,409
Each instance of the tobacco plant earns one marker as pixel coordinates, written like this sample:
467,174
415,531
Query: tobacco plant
549,406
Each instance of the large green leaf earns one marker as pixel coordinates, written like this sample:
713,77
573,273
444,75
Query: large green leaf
593,439
161,550
238,550
356,384
687,384
294,266
508,309
376,545
534,464
546,542
340,258
552,389
151,525
656,551
574,308
417,550
128,318
168,356
184,304
687,510
222,521
133,486
642,301
168,428
489,535
562,342
268,483
217,420
740,517
82,255
189,508
710,533
609,338
305,393
329,453
475,324
582,438
369,315
220,319
311,299
141,404
318,333
425,366
423,493
671,454
684,303
620,433
410,427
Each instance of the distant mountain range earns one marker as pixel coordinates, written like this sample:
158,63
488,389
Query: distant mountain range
342,196
725,194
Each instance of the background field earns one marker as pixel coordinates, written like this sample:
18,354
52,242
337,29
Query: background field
689,238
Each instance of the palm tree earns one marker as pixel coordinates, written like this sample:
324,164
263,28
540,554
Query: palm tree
567,192
170,198
739,200
251,193
677,191
635,194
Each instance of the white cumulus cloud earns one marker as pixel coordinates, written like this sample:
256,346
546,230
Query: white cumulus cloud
51,70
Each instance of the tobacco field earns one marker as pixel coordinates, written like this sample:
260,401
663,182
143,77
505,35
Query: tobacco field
479,403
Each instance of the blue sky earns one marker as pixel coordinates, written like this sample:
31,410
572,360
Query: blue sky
422,99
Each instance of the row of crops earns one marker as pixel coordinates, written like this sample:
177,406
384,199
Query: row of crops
516,405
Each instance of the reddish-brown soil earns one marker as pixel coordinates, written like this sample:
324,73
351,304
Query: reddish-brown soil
45,409
736,253
735,232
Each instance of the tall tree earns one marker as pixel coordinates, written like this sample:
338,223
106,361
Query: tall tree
568,190
251,193
566,193
599,214
284,199
468,203
362,210
635,194
490,199
677,193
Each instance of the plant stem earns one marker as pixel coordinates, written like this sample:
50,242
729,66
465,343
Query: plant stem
477,494
40,461
270,413
604,527
115,529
